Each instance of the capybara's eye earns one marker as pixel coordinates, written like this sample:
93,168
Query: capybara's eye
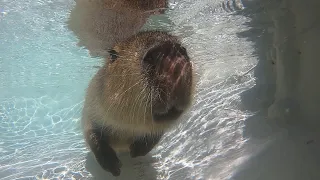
183,51
113,55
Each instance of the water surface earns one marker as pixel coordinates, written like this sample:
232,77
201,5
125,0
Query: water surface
43,77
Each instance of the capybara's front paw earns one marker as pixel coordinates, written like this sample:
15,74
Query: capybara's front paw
110,164
138,150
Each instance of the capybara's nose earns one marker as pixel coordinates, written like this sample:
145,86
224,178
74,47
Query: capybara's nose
170,76
175,77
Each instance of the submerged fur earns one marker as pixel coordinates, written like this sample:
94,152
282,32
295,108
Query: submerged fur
119,97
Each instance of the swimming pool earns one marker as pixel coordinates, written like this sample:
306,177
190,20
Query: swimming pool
43,77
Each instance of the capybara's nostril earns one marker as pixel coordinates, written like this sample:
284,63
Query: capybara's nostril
164,57
181,91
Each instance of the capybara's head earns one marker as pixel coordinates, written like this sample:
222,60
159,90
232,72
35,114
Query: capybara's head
151,76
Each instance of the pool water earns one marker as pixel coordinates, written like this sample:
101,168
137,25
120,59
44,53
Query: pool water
44,75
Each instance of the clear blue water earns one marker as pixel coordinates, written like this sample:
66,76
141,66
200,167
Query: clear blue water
43,77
